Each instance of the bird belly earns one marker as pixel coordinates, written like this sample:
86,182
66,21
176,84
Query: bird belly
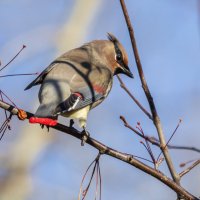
80,114
76,114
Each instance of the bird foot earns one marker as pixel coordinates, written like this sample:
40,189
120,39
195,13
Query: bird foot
43,121
85,135
42,126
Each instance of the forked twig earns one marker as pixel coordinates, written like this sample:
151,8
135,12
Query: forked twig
96,168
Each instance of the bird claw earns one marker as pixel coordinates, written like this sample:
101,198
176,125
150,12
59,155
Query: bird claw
85,135
42,126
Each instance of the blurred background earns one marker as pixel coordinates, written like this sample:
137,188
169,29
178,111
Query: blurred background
36,164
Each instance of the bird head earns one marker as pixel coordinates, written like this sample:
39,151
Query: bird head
119,58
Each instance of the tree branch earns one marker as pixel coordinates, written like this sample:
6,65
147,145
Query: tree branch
156,118
103,149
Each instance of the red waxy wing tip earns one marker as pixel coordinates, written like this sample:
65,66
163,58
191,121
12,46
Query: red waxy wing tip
45,121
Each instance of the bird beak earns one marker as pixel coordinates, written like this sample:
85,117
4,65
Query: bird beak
123,69
127,71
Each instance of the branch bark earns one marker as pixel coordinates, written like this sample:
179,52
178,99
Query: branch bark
103,149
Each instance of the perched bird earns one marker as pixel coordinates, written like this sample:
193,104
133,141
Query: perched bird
79,80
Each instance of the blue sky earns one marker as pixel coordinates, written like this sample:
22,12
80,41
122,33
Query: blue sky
167,34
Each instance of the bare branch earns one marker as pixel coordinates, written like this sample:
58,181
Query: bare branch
189,168
113,153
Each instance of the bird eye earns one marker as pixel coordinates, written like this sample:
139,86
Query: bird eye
118,57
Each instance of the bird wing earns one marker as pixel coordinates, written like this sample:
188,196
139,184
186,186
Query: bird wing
74,70
79,54
87,89
41,77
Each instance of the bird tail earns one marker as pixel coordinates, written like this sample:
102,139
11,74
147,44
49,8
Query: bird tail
33,83
44,116
29,86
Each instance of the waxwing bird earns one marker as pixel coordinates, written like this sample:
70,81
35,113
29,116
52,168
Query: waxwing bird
79,80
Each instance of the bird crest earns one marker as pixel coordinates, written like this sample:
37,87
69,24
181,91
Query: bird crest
112,38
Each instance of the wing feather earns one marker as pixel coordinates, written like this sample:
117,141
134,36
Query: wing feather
92,90
40,78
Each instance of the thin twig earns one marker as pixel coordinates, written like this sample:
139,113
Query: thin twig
170,137
189,168
80,191
5,126
123,86
147,146
149,152
9,99
3,129
174,131
3,100
97,181
183,148
96,167
100,182
113,153
13,58
8,75
142,158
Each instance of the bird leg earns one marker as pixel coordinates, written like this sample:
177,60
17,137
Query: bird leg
71,123
85,135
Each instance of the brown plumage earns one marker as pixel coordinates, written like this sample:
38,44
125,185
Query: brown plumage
79,80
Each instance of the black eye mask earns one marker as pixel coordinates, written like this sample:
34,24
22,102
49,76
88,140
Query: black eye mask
118,56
